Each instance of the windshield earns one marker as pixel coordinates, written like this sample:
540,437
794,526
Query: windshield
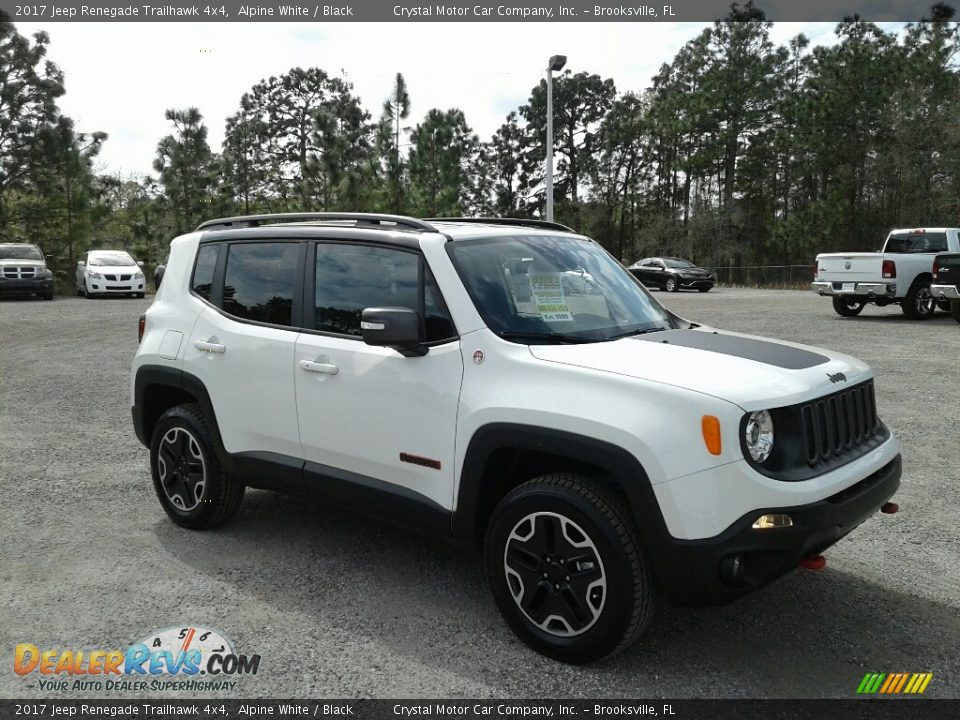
113,259
554,289
20,252
677,263
925,242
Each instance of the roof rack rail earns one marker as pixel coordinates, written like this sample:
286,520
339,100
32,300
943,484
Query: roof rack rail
520,222
387,222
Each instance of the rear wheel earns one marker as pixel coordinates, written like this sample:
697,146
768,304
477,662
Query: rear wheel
704,289
919,303
955,310
567,568
189,481
671,285
943,305
848,307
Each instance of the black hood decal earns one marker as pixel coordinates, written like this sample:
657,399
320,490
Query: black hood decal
769,353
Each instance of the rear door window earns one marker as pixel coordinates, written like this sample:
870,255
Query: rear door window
260,281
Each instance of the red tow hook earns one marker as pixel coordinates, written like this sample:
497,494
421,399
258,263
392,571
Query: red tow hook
889,508
814,562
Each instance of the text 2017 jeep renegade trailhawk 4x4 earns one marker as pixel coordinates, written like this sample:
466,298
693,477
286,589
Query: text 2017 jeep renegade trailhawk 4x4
449,374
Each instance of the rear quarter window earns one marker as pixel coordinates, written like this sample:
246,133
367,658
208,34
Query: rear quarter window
206,264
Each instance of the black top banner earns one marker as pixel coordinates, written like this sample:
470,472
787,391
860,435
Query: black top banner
405,11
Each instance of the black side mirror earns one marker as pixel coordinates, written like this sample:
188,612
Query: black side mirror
393,327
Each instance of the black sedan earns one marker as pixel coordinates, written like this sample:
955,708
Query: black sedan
672,274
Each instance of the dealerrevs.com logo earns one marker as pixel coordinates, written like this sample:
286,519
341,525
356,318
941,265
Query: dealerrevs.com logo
179,658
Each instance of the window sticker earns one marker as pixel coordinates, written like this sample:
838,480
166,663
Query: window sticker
547,291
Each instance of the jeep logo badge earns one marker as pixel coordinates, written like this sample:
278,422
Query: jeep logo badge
846,265
837,377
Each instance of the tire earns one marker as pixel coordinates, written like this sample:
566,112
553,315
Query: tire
48,296
704,289
79,292
919,303
955,309
943,305
536,531
140,295
671,285
847,308
207,497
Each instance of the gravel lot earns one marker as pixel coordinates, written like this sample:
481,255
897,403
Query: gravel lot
339,605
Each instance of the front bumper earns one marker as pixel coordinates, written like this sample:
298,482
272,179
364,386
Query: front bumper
888,290
945,292
696,283
29,286
699,572
107,287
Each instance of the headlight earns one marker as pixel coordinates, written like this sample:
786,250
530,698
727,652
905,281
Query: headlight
758,435
93,275
138,275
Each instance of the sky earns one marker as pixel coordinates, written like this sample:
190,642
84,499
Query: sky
122,77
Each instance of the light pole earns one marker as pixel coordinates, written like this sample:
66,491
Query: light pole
556,64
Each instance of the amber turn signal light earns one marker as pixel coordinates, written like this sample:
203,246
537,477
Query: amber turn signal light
710,426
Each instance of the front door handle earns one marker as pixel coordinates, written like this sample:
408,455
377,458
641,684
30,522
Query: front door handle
209,347
325,368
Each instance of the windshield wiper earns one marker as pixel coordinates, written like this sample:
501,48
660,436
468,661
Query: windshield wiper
550,336
630,333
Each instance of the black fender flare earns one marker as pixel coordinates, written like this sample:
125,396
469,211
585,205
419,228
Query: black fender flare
152,375
619,468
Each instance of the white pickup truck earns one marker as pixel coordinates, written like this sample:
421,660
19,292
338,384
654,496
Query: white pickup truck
899,274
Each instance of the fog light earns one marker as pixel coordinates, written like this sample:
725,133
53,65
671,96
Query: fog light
775,520
731,568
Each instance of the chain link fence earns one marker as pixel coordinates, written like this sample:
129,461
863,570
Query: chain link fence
771,276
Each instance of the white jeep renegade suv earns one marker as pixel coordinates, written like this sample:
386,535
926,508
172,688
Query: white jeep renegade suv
445,374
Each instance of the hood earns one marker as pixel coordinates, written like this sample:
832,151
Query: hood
25,262
115,269
754,373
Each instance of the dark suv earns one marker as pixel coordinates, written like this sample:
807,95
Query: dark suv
23,271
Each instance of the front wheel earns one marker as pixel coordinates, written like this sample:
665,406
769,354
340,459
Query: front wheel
567,568
919,303
189,481
847,307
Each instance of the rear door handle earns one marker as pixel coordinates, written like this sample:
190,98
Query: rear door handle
326,368
209,347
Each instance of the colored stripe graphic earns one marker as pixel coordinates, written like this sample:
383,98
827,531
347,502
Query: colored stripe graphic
894,683
903,680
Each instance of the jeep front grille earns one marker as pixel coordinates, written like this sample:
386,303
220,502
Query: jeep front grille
839,423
